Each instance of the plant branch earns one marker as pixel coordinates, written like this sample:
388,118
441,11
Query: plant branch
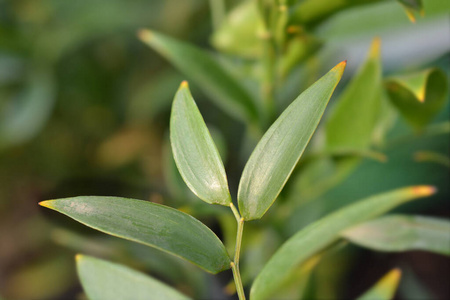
235,263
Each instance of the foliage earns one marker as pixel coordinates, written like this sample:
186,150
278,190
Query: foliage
88,109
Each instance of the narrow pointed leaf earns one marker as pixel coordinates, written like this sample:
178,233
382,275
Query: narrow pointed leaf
207,73
279,150
403,233
106,280
315,237
151,224
355,115
194,151
419,97
385,288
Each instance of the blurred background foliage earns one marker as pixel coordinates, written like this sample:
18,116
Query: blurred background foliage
84,109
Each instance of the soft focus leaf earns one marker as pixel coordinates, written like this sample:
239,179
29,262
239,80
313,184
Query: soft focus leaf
106,280
151,224
402,233
194,151
279,150
240,32
26,114
216,82
315,237
385,288
412,7
312,12
430,156
356,113
419,97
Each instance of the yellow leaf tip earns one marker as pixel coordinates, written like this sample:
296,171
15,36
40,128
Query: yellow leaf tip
424,190
45,203
184,84
340,67
144,35
375,47
78,257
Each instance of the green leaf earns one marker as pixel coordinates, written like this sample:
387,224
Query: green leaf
402,233
313,12
215,81
315,237
279,150
240,32
385,288
151,224
420,96
27,113
105,280
194,151
355,115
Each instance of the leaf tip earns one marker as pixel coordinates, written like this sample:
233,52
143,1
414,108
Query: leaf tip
184,84
78,257
46,203
144,35
396,273
375,47
424,190
340,67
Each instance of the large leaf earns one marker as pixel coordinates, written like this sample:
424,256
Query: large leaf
402,233
315,237
105,280
385,288
420,96
207,73
195,153
279,150
151,224
353,119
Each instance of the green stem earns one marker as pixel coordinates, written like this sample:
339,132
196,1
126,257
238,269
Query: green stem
235,263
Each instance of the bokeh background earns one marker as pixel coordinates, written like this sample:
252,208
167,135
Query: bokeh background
84,110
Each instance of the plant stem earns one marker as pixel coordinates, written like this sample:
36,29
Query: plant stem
235,263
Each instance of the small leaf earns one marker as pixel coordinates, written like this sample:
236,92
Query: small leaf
215,81
402,233
385,288
315,237
279,150
419,97
150,224
355,115
105,280
194,151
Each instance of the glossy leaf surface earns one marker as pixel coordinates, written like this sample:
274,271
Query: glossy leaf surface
403,233
315,237
419,97
151,224
279,150
356,112
207,73
194,151
385,288
106,280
